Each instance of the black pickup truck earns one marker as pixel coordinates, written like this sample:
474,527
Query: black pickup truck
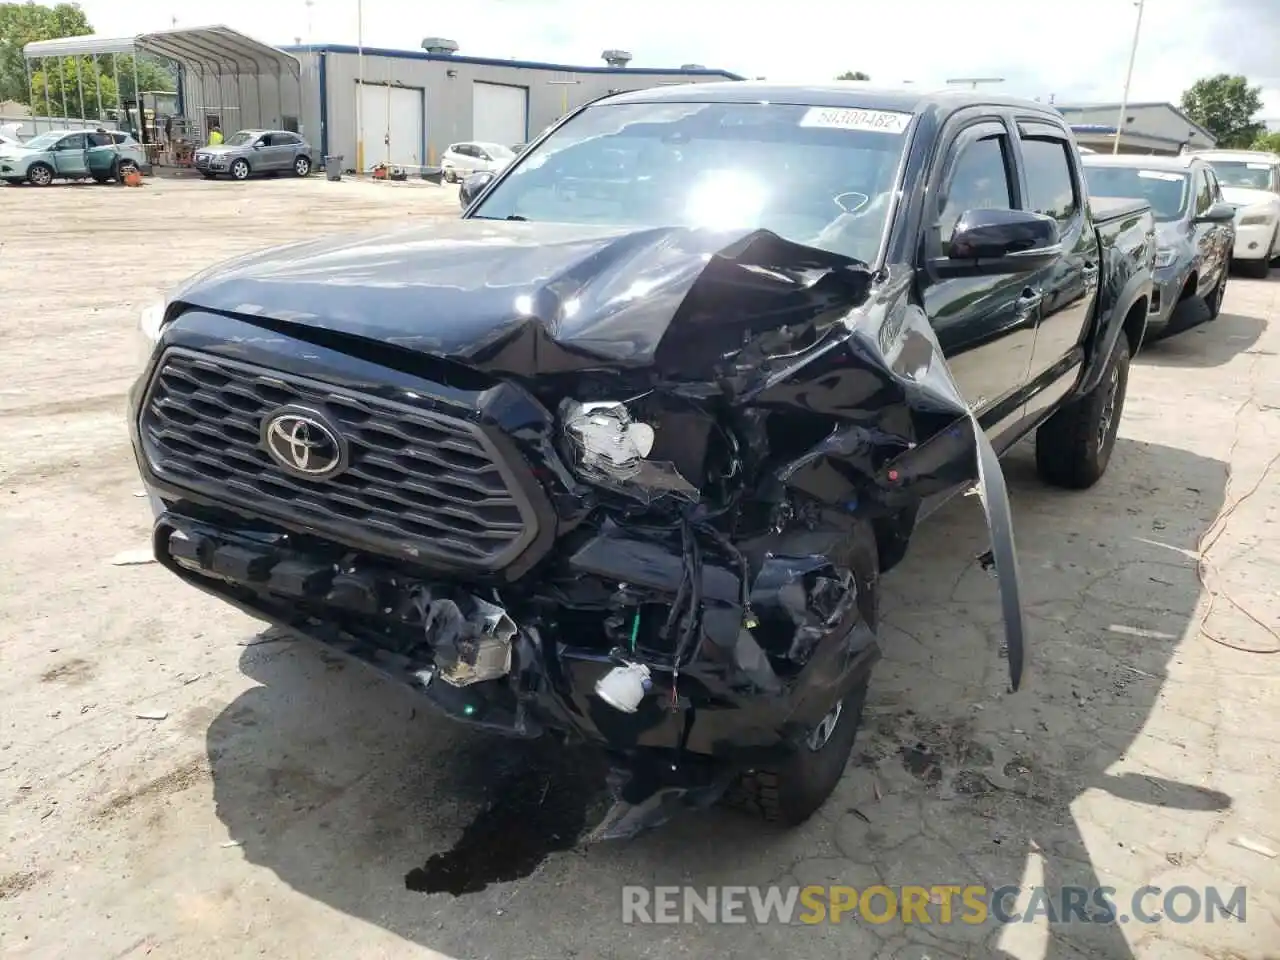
622,453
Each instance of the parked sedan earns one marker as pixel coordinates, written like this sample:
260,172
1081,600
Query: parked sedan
1194,228
72,155
251,152
460,160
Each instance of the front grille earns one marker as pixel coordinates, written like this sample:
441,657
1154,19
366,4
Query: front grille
417,484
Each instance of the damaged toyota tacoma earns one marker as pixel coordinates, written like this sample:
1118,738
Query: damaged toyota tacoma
621,454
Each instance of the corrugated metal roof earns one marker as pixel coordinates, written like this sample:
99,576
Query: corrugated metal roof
214,48
498,62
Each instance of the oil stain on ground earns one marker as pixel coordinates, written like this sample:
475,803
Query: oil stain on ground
538,805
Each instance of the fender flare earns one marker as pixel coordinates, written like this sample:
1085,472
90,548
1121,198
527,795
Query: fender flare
1106,338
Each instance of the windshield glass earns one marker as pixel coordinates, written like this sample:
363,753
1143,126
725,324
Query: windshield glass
497,151
45,140
1165,190
240,139
815,175
1240,173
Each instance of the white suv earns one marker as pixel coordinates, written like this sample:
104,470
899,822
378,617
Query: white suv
1250,182
463,159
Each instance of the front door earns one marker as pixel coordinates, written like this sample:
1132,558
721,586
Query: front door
985,325
69,156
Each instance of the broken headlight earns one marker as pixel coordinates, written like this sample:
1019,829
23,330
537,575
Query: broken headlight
609,448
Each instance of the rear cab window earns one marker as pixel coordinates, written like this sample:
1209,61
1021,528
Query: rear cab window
1051,183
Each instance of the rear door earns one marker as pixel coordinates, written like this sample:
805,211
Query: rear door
271,153
1052,185
69,158
985,325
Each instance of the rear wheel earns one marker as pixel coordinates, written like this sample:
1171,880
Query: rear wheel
240,169
302,166
1073,447
41,174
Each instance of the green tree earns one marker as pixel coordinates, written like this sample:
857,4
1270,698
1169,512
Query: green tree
853,75
1267,141
23,23
1225,105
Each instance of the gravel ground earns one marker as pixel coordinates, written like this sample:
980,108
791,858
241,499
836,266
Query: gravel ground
290,804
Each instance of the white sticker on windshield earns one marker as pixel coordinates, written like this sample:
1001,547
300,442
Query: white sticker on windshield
1258,166
845,118
1159,175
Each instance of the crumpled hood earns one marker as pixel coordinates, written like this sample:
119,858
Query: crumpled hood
1246,197
526,298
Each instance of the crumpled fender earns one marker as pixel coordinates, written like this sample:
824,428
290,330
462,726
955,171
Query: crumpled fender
1106,338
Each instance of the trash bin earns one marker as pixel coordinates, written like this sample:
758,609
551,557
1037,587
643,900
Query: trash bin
333,168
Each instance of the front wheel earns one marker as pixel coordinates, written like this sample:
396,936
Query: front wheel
1257,269
40,174
1214,300
1073,447
302,166
791,792
240,170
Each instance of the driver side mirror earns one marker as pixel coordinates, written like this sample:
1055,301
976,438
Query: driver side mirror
1217,213
473,186
995,242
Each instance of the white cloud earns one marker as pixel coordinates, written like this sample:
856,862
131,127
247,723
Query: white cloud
1076,49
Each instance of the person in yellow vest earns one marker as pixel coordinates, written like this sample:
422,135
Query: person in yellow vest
215,136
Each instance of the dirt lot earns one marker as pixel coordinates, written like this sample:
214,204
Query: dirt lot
289,804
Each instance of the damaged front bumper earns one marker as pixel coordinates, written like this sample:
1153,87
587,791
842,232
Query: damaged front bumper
482,666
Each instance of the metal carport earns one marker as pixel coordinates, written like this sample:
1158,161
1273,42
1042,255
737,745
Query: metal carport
217,65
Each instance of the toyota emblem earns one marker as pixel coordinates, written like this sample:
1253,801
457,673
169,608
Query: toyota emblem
303,443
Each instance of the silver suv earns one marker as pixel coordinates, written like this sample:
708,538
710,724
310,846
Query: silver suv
251,152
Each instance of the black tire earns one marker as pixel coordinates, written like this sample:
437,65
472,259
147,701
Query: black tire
1257,269
1073,447
1214,300
450,176
40,174
209,176
240,169
101,179
302,166
793,791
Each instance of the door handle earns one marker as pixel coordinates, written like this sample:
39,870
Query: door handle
1028,302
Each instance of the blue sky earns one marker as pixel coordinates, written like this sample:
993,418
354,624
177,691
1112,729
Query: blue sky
1076,50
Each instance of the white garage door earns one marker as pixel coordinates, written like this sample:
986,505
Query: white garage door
499,114
391,120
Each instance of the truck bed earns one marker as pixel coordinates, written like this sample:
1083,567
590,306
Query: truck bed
1109,209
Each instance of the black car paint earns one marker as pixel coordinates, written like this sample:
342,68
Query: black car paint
831,371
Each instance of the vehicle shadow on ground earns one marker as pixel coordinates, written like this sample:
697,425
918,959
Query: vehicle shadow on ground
1206,345
344,787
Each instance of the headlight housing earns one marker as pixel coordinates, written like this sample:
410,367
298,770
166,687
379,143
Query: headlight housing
609,448
147,335
1165,257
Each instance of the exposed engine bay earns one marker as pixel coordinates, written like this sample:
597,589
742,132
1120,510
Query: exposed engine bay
649,510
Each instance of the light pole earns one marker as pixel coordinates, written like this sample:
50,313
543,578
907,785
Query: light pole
974,81
359,87
1128,77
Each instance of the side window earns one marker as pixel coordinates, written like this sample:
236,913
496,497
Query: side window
292,139
979,181
1204,195
74,142
100,140
1214,186
1050,187
265,140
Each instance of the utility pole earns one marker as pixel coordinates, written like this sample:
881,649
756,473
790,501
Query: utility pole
359,87
1128,78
